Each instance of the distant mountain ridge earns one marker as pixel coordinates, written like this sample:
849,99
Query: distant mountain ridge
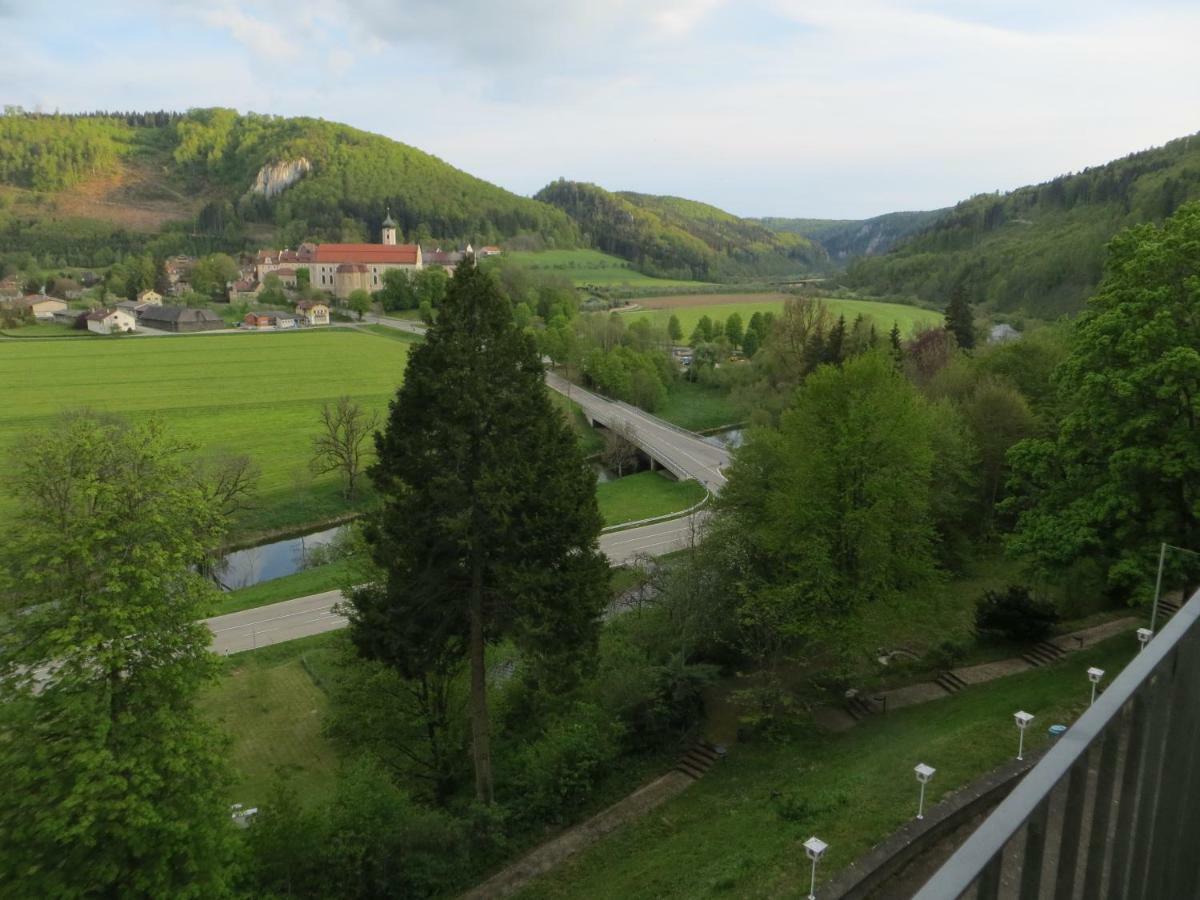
673,237
846,238
215,178
1038,249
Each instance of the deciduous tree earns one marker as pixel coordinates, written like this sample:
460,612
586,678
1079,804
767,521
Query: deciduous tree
338,447
113,784
1122,474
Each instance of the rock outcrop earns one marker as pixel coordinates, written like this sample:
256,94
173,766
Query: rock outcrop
275,178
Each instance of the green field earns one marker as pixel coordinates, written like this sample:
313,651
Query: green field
246,393
691,309
645,495
46,329
272,709
698,407
737,832
592,267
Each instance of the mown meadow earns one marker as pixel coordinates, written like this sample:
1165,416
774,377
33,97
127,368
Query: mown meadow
258,394
718,307
592,267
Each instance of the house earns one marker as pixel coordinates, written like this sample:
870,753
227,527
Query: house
258,320
246,289
1002,334
181,319
485,252
313,312
11,286
134,308
109,321
38,305
150,297
72,317
342,269
269,320
447,259
178,269
287,276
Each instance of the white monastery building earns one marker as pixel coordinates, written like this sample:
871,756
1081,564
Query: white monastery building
344,268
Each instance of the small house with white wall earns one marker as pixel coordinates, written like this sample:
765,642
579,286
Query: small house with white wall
110,321
313,312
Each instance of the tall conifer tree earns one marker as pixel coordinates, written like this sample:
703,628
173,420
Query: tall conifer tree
489,524
960,320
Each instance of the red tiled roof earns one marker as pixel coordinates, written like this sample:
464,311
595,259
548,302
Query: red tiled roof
379,254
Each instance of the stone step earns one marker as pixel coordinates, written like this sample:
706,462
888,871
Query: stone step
1042,653
698,758
860,707
950,683
1167,608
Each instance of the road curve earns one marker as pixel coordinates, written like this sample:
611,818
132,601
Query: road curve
681,451
684,453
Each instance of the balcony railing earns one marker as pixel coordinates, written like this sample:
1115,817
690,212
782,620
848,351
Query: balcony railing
1113,809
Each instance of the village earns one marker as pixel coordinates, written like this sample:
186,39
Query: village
311,286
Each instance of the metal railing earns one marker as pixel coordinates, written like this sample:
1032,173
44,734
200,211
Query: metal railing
1113,809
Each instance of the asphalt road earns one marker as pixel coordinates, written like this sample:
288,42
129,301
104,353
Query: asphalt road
306,616
684,453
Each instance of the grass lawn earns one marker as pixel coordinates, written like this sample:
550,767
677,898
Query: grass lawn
272,710
644,495
45,329
246,393
727,837
698,407
591,267
689,309
307,581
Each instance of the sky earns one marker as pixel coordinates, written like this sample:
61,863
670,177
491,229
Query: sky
808,108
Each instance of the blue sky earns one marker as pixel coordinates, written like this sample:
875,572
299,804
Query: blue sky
803,108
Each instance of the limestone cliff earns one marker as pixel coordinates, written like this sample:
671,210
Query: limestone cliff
275,178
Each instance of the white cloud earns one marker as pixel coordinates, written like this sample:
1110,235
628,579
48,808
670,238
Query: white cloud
261,37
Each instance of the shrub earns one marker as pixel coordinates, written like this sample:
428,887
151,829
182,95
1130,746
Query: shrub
1014,614
556,773
946,655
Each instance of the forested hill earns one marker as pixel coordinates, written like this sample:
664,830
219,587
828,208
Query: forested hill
228,177
846,238
676,238
1038,249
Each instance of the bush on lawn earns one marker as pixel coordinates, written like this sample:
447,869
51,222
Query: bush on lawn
1014,614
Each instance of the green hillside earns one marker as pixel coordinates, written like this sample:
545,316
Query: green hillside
669,237
185,181
1038,249
847,238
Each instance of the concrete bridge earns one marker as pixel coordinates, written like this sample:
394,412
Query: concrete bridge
682,453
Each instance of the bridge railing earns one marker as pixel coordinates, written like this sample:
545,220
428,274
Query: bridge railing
1113,809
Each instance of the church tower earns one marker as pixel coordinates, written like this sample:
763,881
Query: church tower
389,230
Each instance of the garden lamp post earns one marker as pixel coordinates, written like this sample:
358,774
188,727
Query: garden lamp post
1143,636
815,848
1094,676
924,773
1022,719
